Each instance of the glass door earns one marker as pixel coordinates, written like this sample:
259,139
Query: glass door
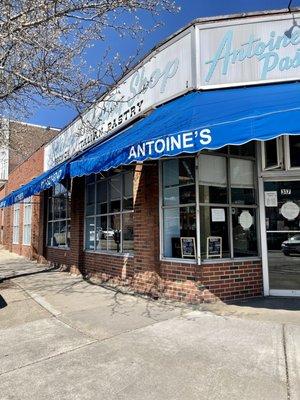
282,205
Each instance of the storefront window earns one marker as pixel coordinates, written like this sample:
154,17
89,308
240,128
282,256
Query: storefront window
16,222
272,154
58,230
226,225
294,148
27,214
109,212
227,204
179,212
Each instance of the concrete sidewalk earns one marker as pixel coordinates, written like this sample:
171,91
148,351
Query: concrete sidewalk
61,337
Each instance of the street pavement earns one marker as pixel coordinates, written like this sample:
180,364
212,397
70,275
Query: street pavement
64,338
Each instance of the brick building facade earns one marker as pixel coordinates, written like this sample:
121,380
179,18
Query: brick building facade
181,192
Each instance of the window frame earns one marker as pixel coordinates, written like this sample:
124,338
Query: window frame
107,214
16,224
54,220
287,154
228,206
280,155
27,203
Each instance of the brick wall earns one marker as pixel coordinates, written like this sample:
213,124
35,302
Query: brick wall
226,281
24,140
144,272
22,174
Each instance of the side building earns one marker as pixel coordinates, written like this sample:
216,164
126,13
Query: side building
21,159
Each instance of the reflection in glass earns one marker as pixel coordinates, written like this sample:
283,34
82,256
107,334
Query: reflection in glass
101,233
90,234
179,181
127,232
90,199
242,181
178,222
128,191
212,179
283,264
115,193
50,234
101,197
113,233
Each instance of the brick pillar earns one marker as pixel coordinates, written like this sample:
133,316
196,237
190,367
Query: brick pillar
77,225
146,218
39,226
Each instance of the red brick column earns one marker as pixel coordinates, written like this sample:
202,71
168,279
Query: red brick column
146,228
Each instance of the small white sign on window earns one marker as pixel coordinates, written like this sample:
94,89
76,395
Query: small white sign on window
217,215
271,199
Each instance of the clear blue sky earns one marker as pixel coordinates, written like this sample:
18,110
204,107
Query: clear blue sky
190,10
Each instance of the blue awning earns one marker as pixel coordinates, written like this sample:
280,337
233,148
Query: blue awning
197,121
36,185
189,124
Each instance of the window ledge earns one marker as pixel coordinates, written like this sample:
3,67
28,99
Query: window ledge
58,247
207,262
110,253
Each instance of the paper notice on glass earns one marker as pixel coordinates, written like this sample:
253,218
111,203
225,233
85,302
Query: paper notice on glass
271,199
217,215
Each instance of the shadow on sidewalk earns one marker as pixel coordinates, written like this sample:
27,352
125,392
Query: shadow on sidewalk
270,303
6,278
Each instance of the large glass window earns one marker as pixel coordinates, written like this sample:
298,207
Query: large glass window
109,212
16,223
226,201
179,200
58,229
27,221
281,153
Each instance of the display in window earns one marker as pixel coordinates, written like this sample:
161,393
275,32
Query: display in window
209,228
188,247
290,210
214,247
245,220
271,199
218,215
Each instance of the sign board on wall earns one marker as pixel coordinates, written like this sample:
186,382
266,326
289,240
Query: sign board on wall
229,52
166,74
249,51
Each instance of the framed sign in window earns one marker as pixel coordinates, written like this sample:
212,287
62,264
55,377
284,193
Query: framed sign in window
214,247
188,247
